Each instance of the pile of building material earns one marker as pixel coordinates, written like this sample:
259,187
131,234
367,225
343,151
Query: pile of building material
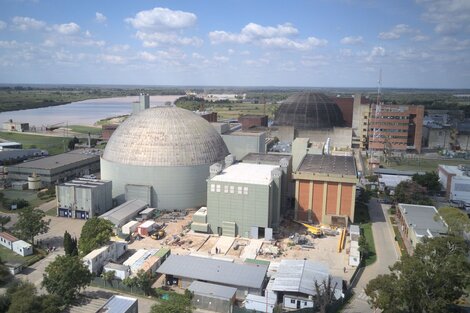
354,254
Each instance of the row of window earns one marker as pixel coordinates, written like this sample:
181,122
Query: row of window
230,189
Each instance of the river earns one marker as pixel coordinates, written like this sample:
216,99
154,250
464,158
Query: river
86,112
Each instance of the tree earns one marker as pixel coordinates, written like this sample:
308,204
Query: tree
429,281
324,294
30,224
72,143
95,233
457,221
175,304
65,277
108,277
70,244
130,282
363,246
4,219
412,193
22,297
4,274
144,281
429,180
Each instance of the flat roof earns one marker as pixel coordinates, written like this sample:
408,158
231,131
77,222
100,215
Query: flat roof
301,275
265,158
212,290
246,173
117,304
95,252
328,164
214,271
421,219
451,169
147,224
115,266
56,161
22,243
391,171
147,211
86,183
392,180
124,210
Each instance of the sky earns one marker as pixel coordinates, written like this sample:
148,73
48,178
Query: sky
315,43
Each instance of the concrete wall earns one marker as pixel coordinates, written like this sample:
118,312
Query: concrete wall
178,187
241,145
460,189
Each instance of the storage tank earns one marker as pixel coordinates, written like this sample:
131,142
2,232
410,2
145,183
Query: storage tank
34,182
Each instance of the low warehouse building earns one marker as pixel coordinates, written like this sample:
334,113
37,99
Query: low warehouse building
417,222
122,214
84,198
295,280
57,168
244,199
95,260
182,270
456,182
325,189
212,297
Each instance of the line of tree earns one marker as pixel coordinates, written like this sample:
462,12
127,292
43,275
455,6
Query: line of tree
412,193
31,223
70,245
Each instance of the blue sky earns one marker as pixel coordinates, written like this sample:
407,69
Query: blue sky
316,43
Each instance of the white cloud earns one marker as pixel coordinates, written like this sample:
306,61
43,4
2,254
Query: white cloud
27,23
112,59
352,40
162,19
163,26
3,25
156,39
375,52
420,38
67,29
346,52
8,44
147,56
221,58
313,61
396,32
449,16
100,17
267,36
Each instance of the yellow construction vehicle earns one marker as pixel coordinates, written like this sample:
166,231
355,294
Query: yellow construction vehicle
316,231
158,235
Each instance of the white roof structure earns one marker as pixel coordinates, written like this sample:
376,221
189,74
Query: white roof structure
165,136
300,276
118,304
124,211
392,181
95,253
147,224
246,173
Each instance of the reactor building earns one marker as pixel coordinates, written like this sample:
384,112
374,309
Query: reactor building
314,116
162,156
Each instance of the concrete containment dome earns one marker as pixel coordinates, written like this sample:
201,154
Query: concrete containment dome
165,136
309,110
162,156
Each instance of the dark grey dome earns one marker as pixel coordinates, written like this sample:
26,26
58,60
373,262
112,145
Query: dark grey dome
309,110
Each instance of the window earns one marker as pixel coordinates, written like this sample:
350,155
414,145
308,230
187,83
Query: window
292,301
226,189
217,188
305,302
245,190
232,189
212,187
239,189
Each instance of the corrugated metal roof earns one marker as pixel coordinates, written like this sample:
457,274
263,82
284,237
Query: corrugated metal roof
328,164
117,304
8,236
212,290
131,207
300,276
214,271
59,160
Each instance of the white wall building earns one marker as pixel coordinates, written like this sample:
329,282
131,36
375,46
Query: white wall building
120,271
455,180
22,248
97,258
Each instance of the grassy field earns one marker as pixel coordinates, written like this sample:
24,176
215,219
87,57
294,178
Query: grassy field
54,145
28,195
85,129
425,165
8,256
367,231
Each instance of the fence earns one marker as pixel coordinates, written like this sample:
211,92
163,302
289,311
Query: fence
116,284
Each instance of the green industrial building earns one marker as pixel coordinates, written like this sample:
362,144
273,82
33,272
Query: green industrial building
242,200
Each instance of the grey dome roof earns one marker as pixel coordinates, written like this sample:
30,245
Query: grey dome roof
165,136
309,110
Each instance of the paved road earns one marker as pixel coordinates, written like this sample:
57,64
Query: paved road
387,254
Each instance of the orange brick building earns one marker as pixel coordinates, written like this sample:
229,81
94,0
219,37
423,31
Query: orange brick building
325,189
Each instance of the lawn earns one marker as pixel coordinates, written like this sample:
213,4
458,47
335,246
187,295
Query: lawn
425,165
367,232
8,256
28,195
54,145
85,129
